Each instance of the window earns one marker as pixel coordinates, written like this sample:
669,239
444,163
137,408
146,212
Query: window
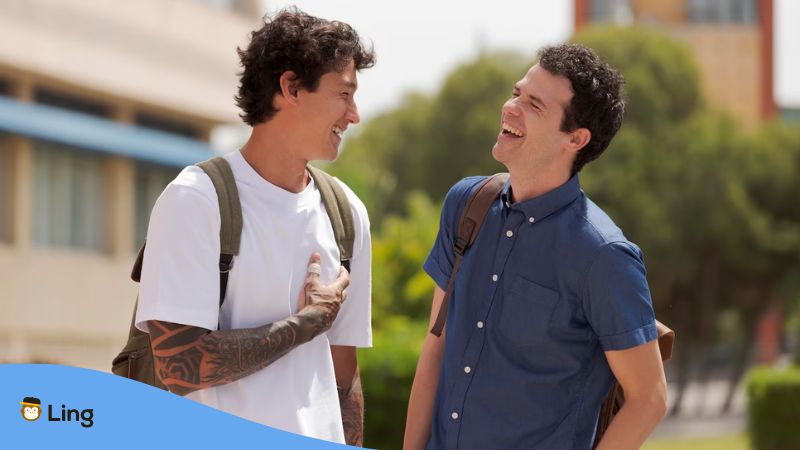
68,101
217,4
617,11
246,7
150,181
69,197
723,11
165,125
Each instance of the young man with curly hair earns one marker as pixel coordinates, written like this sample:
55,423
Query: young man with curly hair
282,349
551,301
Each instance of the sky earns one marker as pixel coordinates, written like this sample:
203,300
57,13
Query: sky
419,41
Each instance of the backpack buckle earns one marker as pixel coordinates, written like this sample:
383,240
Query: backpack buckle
225,263
460,246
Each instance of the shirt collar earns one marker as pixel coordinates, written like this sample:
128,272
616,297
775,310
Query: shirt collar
546,204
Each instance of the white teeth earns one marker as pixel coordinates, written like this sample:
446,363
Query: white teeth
338,131
512,130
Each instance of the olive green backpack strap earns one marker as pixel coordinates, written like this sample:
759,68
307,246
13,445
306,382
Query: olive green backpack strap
135,361
230,214
341,216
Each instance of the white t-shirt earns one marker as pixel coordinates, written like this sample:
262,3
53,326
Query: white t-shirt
180,284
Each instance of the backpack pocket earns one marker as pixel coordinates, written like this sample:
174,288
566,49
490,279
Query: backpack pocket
135,361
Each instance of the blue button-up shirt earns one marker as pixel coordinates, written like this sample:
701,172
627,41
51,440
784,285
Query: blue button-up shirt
549,285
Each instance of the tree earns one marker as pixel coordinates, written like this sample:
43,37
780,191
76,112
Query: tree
662,79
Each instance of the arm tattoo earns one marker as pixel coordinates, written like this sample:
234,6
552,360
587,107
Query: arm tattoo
351,401
190,358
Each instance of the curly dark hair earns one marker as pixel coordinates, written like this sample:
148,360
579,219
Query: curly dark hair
293,40
596,102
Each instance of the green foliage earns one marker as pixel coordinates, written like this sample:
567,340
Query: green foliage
384,152
466,120
402,295
399,249
774,408
387,372
662,81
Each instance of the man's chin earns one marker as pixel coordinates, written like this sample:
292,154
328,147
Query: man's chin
330,155
333,155
499,153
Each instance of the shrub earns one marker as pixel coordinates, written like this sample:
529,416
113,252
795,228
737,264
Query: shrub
387,371
774,408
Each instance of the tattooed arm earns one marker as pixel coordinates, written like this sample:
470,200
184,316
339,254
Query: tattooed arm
190,358
351,397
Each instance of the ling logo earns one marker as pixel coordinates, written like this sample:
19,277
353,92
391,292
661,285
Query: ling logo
31,408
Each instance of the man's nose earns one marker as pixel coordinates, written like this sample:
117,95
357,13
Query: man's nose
510,107
352,114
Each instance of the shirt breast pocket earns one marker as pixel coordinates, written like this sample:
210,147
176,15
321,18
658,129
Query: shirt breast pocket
527,308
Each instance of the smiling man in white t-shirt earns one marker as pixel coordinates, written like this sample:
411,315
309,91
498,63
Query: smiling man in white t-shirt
285,351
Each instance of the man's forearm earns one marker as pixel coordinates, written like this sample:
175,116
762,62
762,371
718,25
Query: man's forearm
633,423
351,401
190,358
423,392
426,380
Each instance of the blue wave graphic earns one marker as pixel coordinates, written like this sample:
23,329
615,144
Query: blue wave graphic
125,414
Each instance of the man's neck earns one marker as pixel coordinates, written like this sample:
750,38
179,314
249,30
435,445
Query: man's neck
525,186
270,154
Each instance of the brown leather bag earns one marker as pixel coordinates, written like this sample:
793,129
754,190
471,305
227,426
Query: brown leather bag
468,226
616,397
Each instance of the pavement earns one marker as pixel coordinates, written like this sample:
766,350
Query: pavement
701,426
700,416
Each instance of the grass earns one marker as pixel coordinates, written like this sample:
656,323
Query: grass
732,442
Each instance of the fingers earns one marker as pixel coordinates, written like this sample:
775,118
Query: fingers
314,266
341,282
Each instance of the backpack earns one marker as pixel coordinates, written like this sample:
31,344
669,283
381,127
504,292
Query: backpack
135,360
470,223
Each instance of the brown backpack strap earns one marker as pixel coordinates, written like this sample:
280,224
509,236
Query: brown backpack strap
338,208
616,397
666,340
468,227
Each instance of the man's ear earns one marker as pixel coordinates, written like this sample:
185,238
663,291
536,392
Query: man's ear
289,86
578,139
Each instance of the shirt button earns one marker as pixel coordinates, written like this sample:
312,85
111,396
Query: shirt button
509,233
479,324
531,219
454,415
494,277
467,369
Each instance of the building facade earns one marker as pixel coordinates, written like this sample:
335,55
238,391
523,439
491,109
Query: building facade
732,41
101,104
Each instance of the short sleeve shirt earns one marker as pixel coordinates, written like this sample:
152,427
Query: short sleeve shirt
549,285
281,229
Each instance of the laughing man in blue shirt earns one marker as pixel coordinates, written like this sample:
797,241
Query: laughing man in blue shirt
551,302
